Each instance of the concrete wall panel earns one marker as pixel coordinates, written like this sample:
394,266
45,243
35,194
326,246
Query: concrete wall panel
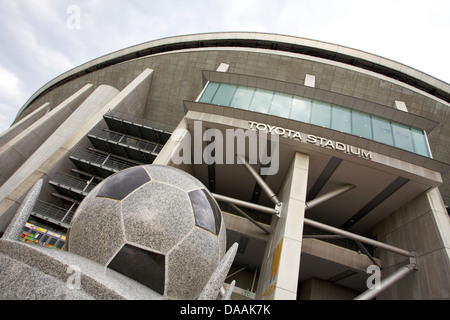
17,150
422,225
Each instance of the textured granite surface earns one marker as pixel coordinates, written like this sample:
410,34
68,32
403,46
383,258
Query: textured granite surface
30,271
178,178
156,216
211,290
191,263
97,233
15,227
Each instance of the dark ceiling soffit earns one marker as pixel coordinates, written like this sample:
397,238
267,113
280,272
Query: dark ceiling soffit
327,172
379,198
261,44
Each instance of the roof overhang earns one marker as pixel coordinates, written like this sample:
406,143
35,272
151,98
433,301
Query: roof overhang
384,182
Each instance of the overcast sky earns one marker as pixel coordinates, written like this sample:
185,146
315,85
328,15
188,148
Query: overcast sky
39,39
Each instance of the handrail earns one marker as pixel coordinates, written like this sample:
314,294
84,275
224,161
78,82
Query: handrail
53,213
76,184
126,140
151,124
101,160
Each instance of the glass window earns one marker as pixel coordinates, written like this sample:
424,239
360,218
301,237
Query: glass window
341,119
402,137
317,113
382,131
321,114
52,241
224,94
420,142
242,98
209,92
361,125
60,244
44,238
261,100
300,109
281,105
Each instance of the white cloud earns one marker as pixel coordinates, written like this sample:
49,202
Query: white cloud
10,85
12,96
6,117
31,57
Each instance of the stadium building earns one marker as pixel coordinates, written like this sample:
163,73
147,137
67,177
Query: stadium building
329,164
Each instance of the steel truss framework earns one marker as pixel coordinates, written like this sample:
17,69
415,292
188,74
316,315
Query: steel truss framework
336,232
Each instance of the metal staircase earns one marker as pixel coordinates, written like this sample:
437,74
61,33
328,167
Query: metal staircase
126,142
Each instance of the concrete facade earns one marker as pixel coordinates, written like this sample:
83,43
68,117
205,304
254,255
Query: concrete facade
23,144
142,105
182,71
421,225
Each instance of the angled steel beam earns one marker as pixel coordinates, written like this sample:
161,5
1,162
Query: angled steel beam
245,204
386,283
321,199
242,213
322,236
236,272
254,279
356,237
264,186
366,252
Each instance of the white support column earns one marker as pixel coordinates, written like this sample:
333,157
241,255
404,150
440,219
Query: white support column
177,150
24,123
26,141
279,272
52,150
173,145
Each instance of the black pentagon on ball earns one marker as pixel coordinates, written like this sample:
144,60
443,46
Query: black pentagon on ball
206,211
121,184
141,265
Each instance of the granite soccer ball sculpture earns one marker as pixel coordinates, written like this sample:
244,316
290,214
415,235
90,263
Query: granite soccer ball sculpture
155,224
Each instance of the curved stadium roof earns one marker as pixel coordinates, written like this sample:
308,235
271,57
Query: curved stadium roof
276,42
